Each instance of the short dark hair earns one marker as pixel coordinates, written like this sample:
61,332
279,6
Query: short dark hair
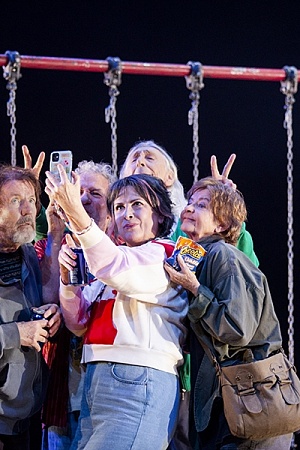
151,189
10,173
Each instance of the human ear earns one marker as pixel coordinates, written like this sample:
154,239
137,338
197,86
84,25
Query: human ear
170,178
220,228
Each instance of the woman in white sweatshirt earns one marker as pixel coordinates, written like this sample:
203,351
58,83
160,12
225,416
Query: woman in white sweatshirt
134,329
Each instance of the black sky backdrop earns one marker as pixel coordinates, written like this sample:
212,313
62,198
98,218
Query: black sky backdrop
65,110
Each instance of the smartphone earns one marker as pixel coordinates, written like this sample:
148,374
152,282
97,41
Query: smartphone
63,157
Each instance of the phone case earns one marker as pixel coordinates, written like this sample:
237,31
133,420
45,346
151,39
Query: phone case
63,157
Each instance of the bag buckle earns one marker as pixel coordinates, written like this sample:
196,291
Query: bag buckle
247,391
244,382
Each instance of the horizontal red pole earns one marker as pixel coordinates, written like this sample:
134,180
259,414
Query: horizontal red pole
143,68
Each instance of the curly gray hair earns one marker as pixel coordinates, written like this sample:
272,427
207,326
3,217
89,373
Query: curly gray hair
102,168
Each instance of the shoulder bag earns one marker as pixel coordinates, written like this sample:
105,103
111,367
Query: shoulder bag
261,398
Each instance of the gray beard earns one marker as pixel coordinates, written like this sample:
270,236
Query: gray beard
23,237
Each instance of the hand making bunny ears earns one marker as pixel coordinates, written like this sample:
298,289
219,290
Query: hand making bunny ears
226,170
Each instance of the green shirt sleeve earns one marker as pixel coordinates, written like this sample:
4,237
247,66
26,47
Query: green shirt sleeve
177,232
185,373
245,244
41,225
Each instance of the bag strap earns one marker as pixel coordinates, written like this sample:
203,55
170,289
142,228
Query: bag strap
210,352
213,357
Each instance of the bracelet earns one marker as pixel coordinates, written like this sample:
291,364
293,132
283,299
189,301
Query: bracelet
85,230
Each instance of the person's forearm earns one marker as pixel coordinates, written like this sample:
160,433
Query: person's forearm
78,221
73,308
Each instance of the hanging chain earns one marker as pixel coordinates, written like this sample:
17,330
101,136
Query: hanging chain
112,78
289,88
11,72
194,82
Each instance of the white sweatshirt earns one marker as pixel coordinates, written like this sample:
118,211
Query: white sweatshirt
133,315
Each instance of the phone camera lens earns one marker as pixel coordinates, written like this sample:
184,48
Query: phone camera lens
55,157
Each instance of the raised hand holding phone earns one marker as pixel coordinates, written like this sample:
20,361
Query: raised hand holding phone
63,157
65,193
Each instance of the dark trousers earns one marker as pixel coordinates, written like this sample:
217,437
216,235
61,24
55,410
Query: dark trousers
180,440
35,431
30,439
15,442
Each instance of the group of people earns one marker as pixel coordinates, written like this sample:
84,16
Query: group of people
116,349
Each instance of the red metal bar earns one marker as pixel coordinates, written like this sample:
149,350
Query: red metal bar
138,68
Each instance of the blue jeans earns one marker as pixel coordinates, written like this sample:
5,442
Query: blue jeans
56,438
127,407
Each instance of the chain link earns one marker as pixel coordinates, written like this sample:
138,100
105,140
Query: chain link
289,88
11,72
194,82
11,113
112,78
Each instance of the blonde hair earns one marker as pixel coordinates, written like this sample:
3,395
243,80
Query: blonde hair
227,205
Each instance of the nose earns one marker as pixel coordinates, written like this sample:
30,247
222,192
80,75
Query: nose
128,212
140,162
27,207
189,208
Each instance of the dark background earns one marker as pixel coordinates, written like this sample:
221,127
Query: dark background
65,110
